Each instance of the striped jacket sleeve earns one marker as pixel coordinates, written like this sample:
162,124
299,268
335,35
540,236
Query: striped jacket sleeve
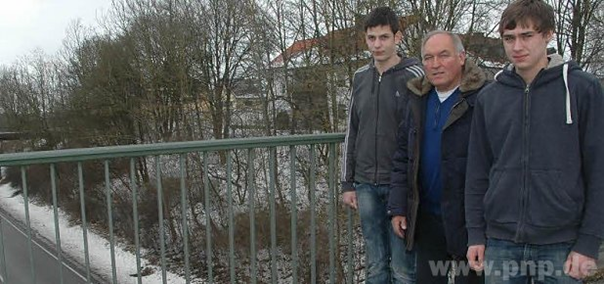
348,153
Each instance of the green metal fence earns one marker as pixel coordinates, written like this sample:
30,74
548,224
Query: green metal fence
303,167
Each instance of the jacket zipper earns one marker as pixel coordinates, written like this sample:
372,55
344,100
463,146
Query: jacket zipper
460,100
525,163
376,130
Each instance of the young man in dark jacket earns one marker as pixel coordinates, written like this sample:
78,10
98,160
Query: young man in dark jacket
534,189
378,101
427,182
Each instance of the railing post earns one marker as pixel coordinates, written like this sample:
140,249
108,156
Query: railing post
158,176
350,268
184,217
28,223
231,226
84,227
312,205
110,220
251,204
293,211
135,217
272,163
208,219
53,186
332,197
3,254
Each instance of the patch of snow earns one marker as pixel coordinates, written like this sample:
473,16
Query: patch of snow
42,222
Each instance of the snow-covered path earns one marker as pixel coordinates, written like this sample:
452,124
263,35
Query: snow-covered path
42,222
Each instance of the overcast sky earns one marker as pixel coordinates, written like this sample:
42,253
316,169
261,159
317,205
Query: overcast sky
28,24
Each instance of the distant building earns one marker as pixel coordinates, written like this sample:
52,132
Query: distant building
316,92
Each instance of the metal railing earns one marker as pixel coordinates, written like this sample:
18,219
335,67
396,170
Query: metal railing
201,174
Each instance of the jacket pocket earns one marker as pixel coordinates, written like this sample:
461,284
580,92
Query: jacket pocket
549,205
502,200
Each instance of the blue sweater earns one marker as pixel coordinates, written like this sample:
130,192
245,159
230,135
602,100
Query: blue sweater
430,153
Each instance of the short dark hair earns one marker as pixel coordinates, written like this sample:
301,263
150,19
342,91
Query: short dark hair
382,16
526,13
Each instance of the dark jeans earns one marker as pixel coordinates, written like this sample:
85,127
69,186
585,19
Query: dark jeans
434,263
509,262
387,261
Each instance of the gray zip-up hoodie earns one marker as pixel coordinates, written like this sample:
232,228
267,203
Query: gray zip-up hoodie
535,164
378,104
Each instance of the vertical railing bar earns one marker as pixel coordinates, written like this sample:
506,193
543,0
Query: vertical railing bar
112,252
135,215
313,201
53,186
332,211
84,226
293,217
208,219
349,246
3,255
251,204
184,215
28,224
158,176
231,226
272,165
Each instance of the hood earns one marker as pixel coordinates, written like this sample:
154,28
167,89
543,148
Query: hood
555,69
554,60
472,79
403,63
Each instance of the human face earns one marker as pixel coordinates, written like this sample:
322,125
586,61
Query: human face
382,43
526,49
442,62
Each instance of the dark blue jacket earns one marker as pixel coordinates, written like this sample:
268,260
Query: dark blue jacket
404,197
535,170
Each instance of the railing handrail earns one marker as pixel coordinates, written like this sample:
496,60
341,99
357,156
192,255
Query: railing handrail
97,153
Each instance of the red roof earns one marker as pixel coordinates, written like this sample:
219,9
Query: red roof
343,40
296,48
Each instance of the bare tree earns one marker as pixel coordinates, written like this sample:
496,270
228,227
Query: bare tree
579,32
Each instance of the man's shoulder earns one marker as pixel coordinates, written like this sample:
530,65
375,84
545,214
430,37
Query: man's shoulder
362,69
362,76
490,89
410,67
413,71
583,78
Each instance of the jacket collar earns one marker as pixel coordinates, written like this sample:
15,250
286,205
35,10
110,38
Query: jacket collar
553,71
554,60
403,63
556,69
473,78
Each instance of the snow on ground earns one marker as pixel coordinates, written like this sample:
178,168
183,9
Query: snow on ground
42,222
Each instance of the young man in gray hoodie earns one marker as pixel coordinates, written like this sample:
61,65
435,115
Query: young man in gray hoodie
534,184
378,102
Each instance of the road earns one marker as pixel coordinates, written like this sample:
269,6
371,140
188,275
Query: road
18,266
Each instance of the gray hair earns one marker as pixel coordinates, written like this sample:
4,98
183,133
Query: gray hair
455,39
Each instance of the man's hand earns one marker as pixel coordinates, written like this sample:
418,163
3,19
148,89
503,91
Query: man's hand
475,255
399,224
350,199
579,266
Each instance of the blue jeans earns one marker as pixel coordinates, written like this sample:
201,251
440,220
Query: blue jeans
509,262
387,261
